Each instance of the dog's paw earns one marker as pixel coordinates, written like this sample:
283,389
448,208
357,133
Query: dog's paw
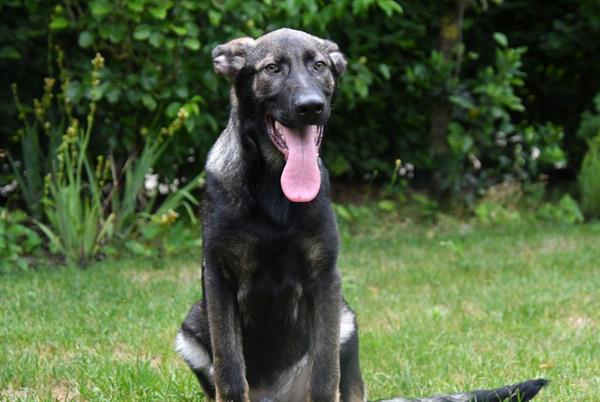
233,393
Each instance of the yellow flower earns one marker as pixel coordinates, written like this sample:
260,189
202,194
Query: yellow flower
168,218
182,114
98,62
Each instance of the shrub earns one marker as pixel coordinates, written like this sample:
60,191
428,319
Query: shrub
159,57
18,243
566,211
589,126
589,179
486,147
499,205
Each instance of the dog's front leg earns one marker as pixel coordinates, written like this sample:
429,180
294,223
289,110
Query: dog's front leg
226,338
324,344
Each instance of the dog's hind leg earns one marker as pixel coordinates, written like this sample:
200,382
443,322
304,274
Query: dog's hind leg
351,384
193,344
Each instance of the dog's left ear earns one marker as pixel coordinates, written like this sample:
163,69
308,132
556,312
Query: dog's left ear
229,58
337,57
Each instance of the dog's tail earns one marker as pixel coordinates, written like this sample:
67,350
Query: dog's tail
520,392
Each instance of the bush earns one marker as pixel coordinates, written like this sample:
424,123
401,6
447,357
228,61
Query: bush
486,147
589,180
589,126
18,243
499,205
566,211
158,55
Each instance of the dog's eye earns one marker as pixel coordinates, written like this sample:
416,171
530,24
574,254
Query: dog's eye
319,65
272,68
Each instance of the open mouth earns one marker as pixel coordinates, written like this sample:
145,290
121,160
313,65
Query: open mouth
278,133
301,176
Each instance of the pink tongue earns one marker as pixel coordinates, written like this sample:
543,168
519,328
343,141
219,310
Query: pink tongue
301,178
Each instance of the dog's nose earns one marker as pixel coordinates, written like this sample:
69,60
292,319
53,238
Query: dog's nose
309,106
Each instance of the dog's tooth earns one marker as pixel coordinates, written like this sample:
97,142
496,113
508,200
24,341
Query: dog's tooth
278,126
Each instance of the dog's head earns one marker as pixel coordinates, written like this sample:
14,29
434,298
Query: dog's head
284,83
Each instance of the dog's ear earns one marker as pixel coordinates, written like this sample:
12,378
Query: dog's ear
337,57
229,58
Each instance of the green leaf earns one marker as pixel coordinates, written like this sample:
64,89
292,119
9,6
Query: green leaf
117,32
501,39
169,43
342,212
100,8
113,94
138,248
149,101
214,17
74,91
142,32
86,39
191,43
172,109
9,53
136,5
159,12
98,92
156,39
58,23
178,29
390,7
182,91
104,31
385,71
192,29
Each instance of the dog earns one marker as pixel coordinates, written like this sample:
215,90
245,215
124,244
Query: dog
272,324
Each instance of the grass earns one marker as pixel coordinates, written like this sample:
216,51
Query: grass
441,309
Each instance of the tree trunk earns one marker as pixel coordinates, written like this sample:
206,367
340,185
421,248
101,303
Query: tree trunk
450,46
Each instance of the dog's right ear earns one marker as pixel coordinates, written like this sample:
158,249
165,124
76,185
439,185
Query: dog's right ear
337,57
229,58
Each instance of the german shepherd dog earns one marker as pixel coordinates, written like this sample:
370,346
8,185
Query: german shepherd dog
272,324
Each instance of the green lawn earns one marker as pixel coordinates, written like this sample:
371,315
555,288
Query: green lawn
440,309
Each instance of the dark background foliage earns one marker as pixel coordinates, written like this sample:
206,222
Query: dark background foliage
520,72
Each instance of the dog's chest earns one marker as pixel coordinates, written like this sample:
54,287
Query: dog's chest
279,268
